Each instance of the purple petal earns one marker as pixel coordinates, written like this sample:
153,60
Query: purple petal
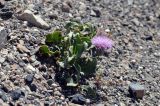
102,42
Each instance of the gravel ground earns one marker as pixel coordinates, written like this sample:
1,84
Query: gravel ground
134,26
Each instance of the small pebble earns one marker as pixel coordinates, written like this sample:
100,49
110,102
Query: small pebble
33,87
78,99
3,96
29,78
65,7
16,94
2,59
50,82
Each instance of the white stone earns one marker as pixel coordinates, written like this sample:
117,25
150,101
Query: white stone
2,59
36,20
157,54
82,6
1,28
130,2
22,48
122,104
30,68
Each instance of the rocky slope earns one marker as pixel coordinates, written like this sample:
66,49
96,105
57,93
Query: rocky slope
134,27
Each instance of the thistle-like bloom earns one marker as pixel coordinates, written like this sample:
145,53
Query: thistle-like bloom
102,42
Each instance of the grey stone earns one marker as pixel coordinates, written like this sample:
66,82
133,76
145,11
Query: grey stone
6,12
88,101
33,87
82,6
7,67
2,103
100,104
122,104
136,21
130,2
93,13
29,78
16,94
54,85
32,59
2,59
36,63
72,104
53,15
96,12
65,8
50,82
57,93
136,90
3,36
2,3
3,96
22,64
29,68
157,54
78,99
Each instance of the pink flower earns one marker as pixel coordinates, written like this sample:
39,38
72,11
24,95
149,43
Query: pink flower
101,41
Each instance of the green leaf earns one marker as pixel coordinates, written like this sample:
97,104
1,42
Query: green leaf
54,37
71,83
45,50
70,59
56,53
78,68
90,92
88,66
85,45
71,49
78,50
61,64
86,39
70,35
71,25
78,40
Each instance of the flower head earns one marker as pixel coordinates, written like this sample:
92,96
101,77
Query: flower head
101,41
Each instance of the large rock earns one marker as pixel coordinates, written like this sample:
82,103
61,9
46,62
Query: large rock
35,20
136,90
